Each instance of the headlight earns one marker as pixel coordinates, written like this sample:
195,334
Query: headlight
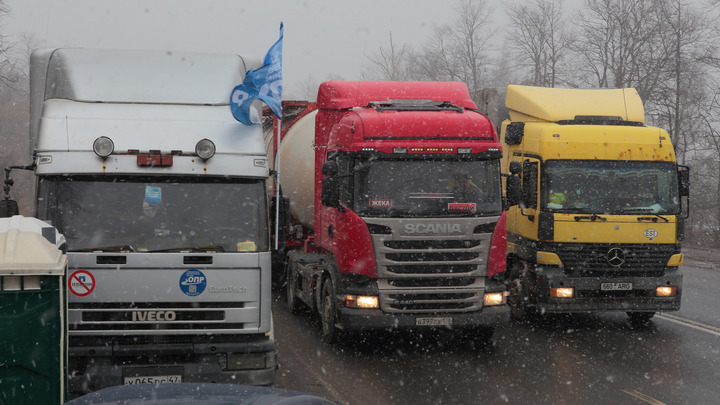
361,301
205,149
494,298
562,292
666,291
103,146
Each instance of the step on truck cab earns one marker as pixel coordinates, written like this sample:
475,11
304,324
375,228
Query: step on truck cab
160,194
597,198
395,215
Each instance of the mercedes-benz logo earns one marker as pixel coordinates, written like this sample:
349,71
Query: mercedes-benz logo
616,257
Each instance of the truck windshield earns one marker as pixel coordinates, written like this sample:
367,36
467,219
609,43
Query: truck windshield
103,213
611,187
427,187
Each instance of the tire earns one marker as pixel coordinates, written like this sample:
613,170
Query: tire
328,313
516,299
293,303
640,318
520,293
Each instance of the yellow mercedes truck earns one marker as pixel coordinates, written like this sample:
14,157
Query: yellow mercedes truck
596,203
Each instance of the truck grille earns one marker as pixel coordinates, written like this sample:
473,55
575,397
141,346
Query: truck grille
431,302
432,269
166,339
431,273
146,317
593,260
431,256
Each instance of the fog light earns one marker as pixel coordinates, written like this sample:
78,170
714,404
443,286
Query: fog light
246,361
562,292
494,298
666,291
205,149
361,301
103,146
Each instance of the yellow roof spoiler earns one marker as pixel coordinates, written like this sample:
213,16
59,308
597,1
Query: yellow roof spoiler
529,103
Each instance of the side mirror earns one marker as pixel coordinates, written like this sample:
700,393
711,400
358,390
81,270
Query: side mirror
8,208
330,192
330,168
512,190
283,216
514,133
330,195
684,181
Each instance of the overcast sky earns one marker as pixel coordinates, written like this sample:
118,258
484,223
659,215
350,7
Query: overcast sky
322,37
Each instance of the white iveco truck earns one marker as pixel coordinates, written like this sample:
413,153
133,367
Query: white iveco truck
160,194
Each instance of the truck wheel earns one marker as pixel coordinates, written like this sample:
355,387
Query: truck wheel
327,314
517,301
293,303
640,318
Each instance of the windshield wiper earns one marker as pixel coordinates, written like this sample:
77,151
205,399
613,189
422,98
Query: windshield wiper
117,248
190,249
649,211
654,219
568,210
593,217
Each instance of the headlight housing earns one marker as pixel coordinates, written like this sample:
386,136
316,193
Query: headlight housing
205,149
103,147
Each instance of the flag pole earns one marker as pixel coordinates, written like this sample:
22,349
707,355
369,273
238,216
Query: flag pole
278,121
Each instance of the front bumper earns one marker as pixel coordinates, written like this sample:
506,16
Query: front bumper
352,319
589,298
104,367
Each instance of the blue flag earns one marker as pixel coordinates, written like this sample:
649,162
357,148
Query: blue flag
264,83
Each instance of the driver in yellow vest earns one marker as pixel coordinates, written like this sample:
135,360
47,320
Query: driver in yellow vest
557,199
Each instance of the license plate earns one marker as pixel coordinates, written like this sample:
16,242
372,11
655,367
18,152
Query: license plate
152,375
616,286
155,379
433,321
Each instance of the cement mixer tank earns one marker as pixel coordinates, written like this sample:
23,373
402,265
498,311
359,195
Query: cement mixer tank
297,166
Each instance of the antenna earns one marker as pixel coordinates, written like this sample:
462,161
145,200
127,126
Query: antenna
362,66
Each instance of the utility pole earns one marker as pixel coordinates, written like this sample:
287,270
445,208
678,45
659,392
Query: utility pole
717,216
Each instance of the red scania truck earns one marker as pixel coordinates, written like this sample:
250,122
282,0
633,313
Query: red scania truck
393,212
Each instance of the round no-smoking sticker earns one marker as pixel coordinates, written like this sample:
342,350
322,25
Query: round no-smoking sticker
81,283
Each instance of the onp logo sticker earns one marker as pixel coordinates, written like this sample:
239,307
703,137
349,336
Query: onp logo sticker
193,282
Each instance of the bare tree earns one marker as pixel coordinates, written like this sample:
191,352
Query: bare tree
391,62
538,38
18,62
460,51
436,60
618,45
689,39
306,90
8,74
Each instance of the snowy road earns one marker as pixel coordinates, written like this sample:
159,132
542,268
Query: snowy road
588,359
